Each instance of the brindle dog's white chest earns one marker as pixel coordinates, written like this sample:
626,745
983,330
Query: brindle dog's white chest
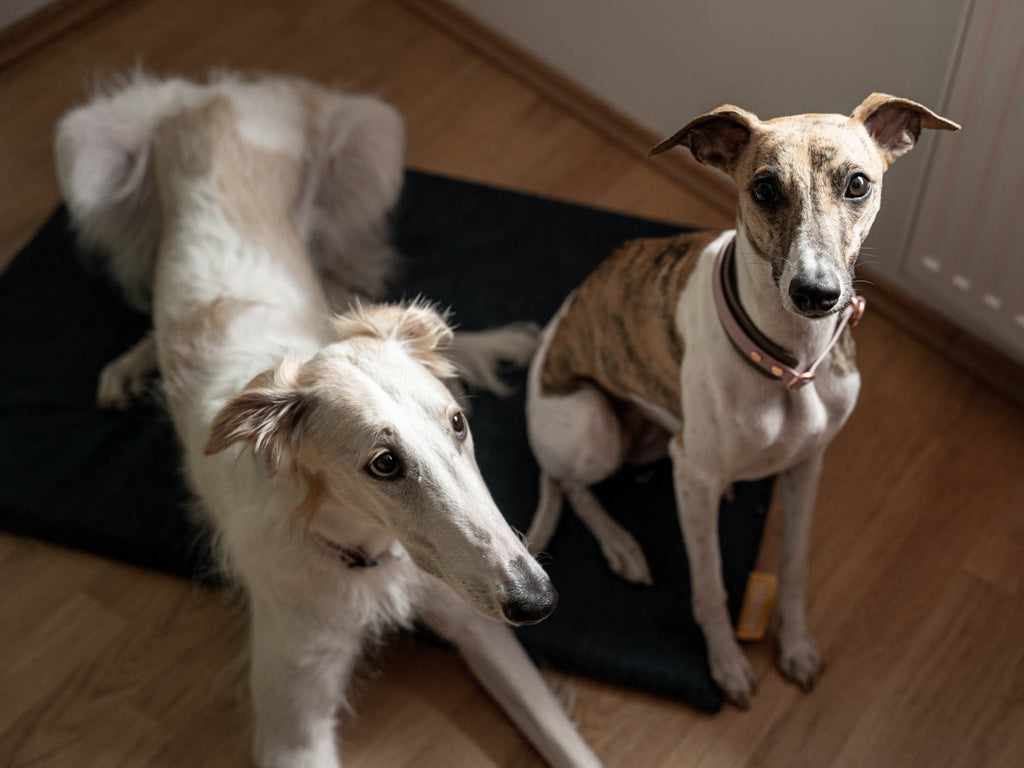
766,436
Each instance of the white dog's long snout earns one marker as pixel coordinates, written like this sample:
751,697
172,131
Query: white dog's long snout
471,548
530,597
378,391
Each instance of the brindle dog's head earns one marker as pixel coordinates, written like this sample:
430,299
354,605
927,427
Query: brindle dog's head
809,186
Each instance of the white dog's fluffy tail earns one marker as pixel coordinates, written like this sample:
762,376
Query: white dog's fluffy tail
354,156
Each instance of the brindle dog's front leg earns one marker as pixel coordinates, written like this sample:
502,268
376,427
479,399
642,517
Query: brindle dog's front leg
697,497
798,659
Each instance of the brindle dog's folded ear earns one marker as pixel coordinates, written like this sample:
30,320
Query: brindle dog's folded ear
895,124
716,138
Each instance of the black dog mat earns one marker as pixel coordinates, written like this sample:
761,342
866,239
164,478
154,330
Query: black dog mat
110,482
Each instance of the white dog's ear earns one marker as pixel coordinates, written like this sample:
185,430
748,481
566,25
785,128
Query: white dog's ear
895,124
267,414
419,327
716,138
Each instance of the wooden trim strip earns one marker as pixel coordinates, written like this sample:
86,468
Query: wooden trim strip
716,189
25,37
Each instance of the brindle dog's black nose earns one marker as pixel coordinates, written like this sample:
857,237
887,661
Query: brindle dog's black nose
531,598
814,295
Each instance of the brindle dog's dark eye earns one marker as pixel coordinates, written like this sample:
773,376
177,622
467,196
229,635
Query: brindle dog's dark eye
459,425
858,186
385,466
765,191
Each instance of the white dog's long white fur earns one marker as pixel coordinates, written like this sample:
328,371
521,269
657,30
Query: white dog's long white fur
333,463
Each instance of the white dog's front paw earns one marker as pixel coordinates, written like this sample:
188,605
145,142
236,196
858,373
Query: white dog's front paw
799,659
733,673
125,376
121,380
626,558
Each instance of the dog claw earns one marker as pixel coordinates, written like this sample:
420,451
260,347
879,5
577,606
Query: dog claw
118,388
124,378
626,559
734,675
800,661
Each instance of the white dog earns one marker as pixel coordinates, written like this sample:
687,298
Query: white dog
335,466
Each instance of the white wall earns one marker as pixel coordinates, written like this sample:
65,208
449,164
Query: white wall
662,62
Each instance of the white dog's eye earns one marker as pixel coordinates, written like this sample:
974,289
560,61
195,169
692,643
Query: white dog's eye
459,425
385,466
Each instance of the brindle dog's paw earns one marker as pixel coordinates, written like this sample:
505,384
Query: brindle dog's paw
734,675
799,659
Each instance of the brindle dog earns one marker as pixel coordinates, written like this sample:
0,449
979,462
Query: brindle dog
637,361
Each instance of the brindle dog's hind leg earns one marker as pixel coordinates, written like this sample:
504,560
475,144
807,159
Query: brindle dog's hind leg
578,442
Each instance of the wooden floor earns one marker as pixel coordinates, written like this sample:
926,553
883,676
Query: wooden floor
917,591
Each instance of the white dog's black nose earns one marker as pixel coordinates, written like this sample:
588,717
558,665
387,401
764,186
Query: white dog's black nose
531,597
532,609
814,295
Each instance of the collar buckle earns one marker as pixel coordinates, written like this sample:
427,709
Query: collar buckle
800,380
859,305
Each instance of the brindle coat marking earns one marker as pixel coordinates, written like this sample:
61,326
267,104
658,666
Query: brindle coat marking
812,160
619,331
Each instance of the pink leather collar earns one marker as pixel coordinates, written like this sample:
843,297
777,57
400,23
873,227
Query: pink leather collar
732,317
